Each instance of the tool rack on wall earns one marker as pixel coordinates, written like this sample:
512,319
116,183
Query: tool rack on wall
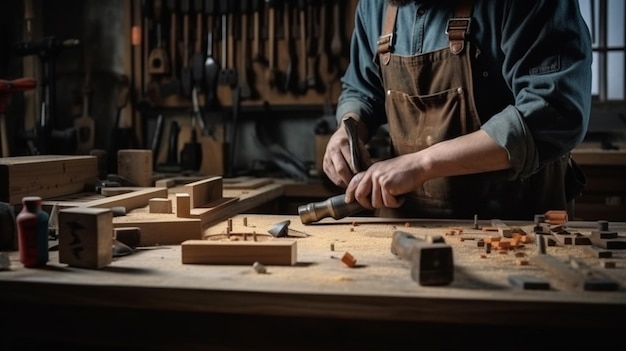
215,59
246,52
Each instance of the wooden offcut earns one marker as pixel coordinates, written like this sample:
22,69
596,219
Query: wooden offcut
204,191
183,205
136,166
162,229
86,237
504,230
160,205
271,252
45,176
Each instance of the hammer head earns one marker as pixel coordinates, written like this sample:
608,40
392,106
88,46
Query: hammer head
432,264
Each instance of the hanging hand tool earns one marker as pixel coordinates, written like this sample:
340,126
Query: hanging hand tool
257,9
228,74
291,76
186,74
158,60
191,154
211,66
431,260
313,81
245,73
8,87
336,43
273,76
303,84
197,61
172,87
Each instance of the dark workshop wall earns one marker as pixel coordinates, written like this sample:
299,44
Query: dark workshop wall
102,28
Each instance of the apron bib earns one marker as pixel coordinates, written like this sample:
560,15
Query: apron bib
429,99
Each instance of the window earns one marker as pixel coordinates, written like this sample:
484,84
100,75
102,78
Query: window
605,19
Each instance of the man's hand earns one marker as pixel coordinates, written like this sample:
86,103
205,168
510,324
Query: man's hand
337,157
383,183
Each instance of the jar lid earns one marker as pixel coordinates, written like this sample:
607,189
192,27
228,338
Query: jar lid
31,200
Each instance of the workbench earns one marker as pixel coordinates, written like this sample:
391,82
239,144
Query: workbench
149,300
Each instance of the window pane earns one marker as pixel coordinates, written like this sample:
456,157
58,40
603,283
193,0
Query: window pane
615,26
616,76
595,84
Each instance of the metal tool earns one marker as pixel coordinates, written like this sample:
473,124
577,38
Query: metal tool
431,260
336,206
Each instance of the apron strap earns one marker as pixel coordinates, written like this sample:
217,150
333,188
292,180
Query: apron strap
385,42
459,26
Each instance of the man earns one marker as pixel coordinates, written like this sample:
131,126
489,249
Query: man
484,100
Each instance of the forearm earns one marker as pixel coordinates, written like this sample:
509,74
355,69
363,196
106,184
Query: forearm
468,154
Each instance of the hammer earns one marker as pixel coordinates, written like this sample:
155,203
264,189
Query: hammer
431,259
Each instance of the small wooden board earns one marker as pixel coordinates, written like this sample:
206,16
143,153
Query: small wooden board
270,252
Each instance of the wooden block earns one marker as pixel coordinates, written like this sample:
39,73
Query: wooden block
45,176
136,166
276,252
502,228
183,205
130,236
348,260
165,183
204,191
157,230
160,205
556,217
86,237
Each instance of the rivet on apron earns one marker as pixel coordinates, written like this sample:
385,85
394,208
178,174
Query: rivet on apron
429,140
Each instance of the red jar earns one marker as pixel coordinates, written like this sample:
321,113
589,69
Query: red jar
32,233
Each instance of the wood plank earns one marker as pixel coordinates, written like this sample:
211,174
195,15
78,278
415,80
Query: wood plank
270,252
132,199
46,176
161,229
204,191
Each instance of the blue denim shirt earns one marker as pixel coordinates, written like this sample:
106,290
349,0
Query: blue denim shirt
531,70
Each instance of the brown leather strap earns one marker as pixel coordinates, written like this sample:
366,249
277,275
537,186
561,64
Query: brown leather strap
459,26
385,42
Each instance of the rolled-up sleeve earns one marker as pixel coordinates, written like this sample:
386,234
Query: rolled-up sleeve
546,56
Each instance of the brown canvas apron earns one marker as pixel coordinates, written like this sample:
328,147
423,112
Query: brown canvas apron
430,98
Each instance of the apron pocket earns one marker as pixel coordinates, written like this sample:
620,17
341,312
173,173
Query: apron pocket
419,121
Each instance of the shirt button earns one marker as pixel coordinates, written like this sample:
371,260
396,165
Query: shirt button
388,92
421,12
485,74
459,91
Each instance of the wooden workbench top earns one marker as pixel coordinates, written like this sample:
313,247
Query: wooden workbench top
379,287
